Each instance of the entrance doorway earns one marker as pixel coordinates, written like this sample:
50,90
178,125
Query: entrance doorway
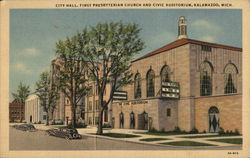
132,120
121,120
213,115
143,121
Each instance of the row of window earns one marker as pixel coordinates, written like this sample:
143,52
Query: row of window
206,70
95,120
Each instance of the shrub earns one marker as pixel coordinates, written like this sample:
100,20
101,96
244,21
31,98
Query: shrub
78,125
194,131
163,130
204,131
152,130
236,132
177,129
39,122
106,125
221,131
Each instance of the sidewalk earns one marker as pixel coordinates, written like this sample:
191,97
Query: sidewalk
170,138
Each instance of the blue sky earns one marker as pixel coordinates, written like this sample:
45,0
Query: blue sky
34,32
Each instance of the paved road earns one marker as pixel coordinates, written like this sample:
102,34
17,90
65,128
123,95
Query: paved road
20,140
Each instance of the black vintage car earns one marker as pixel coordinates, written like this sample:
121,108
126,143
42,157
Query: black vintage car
25,127
68,133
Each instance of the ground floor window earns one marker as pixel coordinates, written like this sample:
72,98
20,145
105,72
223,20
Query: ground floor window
132,120
168,112
121,120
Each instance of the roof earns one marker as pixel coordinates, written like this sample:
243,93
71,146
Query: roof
184,41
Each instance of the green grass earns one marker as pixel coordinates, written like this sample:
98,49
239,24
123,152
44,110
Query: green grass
160,133
120,135
153,139
187,143
207,136
230,140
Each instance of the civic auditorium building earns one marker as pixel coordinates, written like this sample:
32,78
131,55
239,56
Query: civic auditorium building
186,84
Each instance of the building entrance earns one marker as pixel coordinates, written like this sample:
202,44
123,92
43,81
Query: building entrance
213,114
143,121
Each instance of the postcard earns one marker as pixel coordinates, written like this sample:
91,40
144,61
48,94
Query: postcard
84,78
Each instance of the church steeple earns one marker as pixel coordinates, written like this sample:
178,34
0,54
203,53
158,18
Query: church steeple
182,28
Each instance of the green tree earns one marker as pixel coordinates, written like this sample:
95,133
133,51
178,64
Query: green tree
71,71
21,95
110,48
47,92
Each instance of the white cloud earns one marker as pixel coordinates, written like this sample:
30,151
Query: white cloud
20,67
204,24
208,38
29,51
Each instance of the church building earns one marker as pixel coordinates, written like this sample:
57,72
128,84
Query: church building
187,84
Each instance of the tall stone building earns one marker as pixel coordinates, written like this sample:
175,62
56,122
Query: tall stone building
186,84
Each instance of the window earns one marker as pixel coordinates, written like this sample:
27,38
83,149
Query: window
90,105
150,83
90,91
90,121
206,79
165,74
97,105
206,48
44,117
96,120
106,115
137,86
230,79
168,112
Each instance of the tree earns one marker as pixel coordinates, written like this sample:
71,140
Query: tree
47,92
110,48
71,71
21,95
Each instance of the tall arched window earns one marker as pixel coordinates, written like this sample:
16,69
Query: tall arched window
137,86
206,70
165,76
150,83
230,78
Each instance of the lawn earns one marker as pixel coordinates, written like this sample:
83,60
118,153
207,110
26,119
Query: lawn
153,139
120,135
229,140
207,136
160,133
187,143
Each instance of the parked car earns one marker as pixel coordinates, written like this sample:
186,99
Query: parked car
68,133
25,127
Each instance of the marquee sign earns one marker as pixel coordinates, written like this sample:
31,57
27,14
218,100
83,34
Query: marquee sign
120,95
170,90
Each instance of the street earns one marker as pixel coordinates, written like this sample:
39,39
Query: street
39,140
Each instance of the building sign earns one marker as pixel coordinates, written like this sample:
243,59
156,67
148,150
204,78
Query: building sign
133,102
120,95
170,90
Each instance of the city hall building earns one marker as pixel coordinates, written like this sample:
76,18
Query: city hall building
186,84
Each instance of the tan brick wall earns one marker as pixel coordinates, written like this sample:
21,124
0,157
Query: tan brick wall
230,112
151,108
219,58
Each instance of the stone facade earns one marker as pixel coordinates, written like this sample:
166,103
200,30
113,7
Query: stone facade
34,111
209,75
